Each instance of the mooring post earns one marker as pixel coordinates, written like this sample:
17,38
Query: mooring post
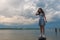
42,38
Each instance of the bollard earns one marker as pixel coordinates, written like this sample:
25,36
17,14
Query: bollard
42,38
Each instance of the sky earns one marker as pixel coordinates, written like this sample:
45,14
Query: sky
21,13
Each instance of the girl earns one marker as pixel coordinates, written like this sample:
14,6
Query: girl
42,20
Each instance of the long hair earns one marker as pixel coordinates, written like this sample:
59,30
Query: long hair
41,11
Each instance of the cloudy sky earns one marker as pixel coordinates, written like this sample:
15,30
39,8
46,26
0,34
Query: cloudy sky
22,12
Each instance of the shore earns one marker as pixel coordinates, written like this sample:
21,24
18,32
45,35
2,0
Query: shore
19,28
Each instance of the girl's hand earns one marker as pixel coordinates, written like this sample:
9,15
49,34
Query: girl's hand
37,13
46,21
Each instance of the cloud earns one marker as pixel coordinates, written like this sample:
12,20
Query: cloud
16,20
23,11
54,4
41,4
51,8
14,8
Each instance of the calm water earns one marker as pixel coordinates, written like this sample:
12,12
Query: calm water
27,35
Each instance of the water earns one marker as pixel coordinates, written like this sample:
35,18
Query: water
27,35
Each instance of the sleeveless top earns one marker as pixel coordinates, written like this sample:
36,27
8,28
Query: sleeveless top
41,16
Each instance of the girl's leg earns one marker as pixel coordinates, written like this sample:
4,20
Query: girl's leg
42,29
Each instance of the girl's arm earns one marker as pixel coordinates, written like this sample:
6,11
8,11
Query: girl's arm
45,17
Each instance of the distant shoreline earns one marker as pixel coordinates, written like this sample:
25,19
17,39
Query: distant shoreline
19,28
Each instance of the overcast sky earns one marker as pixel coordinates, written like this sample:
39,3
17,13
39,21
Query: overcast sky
23,11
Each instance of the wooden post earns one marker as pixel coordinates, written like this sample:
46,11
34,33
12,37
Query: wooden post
42,38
